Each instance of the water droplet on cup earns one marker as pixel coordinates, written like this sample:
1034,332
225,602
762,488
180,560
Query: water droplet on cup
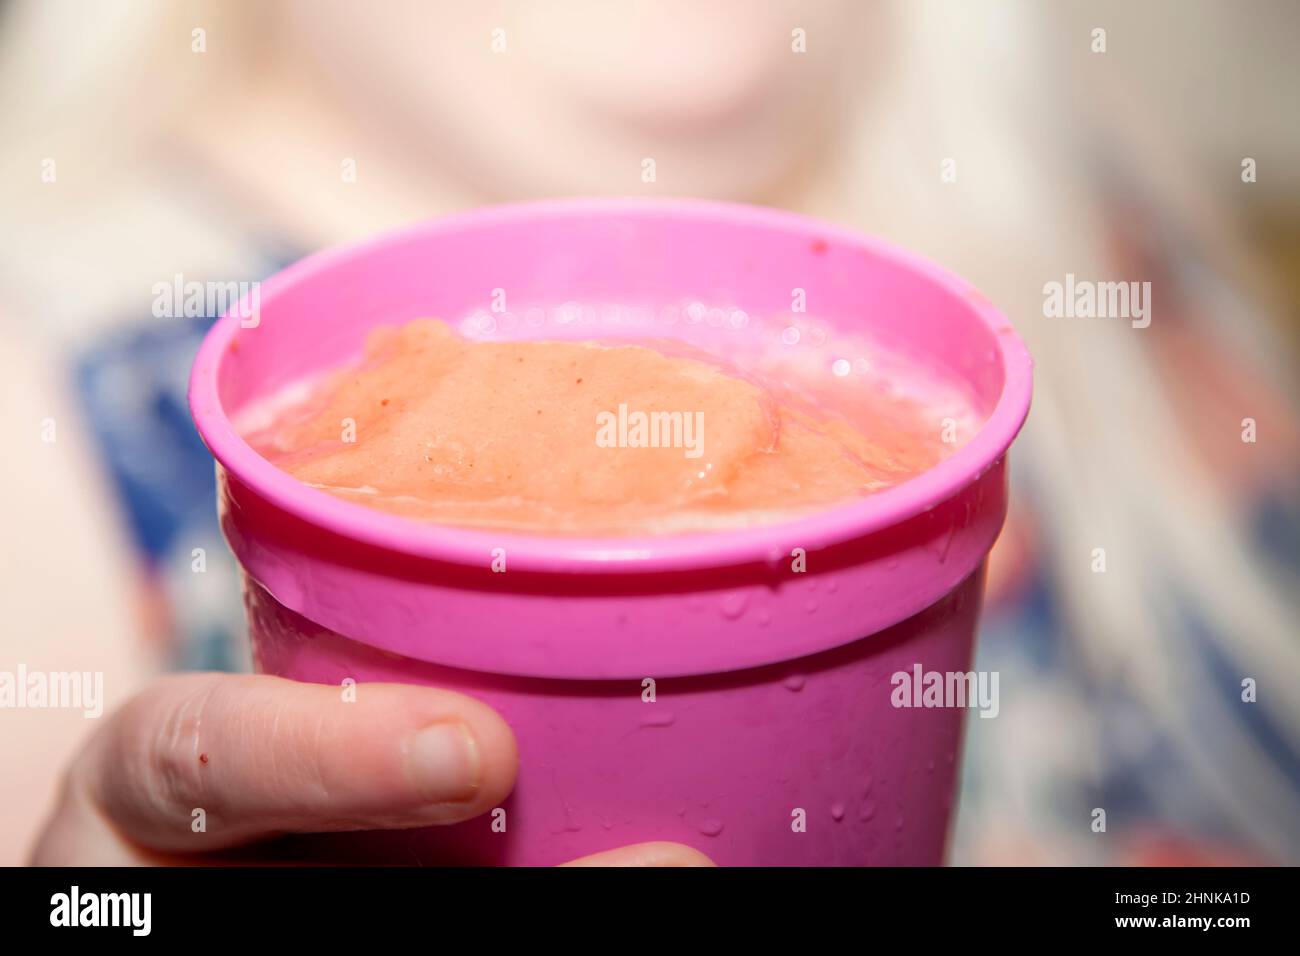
866,811
945,545
662,719
837,812
794,682
733,605
711,827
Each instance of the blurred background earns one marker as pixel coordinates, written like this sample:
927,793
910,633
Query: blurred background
1014,142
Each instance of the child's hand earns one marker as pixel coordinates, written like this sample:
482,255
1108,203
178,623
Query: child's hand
262,756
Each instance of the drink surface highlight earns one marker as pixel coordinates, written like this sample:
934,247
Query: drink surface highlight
653,436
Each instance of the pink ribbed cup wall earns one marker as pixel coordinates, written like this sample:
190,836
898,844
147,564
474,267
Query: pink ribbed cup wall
772,688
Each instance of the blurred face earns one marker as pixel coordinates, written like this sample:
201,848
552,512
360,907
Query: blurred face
528,98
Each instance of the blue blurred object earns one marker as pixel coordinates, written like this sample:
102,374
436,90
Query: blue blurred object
131,387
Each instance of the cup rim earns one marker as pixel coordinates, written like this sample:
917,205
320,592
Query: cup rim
645,553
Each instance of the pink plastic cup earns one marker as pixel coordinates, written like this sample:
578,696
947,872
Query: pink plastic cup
771,737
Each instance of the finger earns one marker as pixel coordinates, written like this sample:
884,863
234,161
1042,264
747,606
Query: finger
646,854
253,756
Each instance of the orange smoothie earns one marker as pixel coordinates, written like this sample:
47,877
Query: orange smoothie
569,437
